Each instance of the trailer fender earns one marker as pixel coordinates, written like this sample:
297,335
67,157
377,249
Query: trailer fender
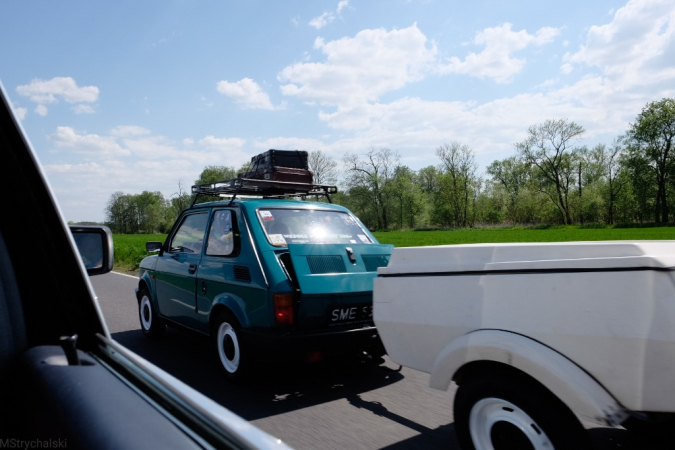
582,393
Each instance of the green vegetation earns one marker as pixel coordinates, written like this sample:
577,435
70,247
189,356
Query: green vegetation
130,248
524,234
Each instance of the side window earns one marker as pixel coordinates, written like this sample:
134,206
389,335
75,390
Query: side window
222,234
190,235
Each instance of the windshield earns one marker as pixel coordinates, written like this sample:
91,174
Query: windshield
308,226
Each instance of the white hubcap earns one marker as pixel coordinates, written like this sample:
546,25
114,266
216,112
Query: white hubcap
146,313
228,347
505,415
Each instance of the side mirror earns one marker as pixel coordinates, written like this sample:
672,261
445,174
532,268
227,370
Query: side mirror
95,245
153,246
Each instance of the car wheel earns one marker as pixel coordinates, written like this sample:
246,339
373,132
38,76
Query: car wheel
502,412
151,324
228,347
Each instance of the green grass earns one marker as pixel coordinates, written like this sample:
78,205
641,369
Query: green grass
520,234
130,248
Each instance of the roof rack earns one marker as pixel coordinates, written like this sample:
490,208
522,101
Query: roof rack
262,188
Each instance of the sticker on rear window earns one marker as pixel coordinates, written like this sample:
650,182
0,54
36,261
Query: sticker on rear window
266,215
277,239
364,238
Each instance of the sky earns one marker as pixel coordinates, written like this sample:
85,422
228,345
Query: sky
140,96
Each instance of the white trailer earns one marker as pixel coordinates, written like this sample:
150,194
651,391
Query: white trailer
537,336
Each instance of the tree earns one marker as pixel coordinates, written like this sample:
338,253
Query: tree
180,200
213,174
547,149
406,190
615,175
459,166
512,177
323,166
650,139
370,177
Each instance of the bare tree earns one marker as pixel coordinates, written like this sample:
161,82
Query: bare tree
547,148
460,165
323,166
372,176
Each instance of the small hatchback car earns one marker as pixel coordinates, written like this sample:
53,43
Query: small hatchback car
265,278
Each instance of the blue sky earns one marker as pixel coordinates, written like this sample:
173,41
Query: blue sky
133,96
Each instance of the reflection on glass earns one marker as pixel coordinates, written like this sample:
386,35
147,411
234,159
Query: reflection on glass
90,246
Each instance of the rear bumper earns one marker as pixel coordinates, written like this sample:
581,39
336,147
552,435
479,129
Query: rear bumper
270,345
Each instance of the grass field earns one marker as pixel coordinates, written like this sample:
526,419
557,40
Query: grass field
130,248
520,234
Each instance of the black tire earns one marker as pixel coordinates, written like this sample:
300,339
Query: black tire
228,345
503,412
151,324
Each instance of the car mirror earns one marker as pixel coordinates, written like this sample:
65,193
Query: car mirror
95,245
153,246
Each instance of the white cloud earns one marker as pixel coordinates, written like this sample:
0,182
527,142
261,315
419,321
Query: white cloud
49,91
83,109
342,5
247,93
88,144
322,20
41,110
224,144
328,16
496,60
360,69
129,131
20,112
638,42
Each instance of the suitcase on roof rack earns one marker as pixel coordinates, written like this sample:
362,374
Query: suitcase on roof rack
295,159
286,174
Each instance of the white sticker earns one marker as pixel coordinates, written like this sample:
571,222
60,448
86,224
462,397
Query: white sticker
266,215
363,238
277,239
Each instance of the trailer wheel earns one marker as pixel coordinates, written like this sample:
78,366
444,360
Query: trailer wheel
502,413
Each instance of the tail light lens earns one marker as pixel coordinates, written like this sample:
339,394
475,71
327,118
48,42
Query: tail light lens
283,309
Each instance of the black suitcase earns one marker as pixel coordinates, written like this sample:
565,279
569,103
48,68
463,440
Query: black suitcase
286,174
295,159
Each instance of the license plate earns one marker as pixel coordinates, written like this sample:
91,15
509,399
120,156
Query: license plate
351,314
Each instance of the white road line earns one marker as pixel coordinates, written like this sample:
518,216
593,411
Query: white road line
124,274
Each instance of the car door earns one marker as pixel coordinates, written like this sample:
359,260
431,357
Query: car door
228,271
176,270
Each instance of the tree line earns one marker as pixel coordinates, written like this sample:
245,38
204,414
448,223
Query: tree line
551,178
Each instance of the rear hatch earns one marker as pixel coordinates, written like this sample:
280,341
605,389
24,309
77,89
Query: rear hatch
336,283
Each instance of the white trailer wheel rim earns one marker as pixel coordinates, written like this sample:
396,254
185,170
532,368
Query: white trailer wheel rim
226,334
146,310
490,411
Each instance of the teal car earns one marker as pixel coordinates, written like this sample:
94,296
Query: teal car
265,278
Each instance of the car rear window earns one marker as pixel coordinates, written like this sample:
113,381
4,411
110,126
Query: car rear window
309,226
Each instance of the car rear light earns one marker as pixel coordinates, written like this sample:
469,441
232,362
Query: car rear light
283,309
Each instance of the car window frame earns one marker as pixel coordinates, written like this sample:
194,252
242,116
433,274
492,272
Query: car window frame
236,235
173,250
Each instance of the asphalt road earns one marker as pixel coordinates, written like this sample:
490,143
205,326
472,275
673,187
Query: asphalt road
317,406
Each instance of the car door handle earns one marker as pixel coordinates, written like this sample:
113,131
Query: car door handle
193,268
